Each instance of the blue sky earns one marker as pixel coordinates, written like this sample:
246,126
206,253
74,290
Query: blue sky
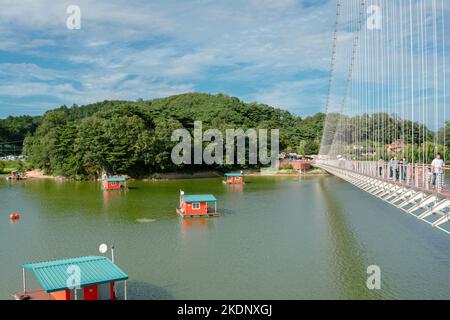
274,52
269,51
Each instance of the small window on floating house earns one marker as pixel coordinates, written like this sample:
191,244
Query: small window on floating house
195,206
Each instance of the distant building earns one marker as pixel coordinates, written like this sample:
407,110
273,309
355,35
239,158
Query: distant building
299,165
396,146
369,151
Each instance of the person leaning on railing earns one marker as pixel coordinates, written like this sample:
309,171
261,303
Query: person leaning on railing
437,166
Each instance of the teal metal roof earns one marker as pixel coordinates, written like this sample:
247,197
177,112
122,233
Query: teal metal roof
53,275
199,198
115,179
233,174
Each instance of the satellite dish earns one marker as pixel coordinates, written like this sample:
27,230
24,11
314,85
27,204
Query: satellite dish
103,248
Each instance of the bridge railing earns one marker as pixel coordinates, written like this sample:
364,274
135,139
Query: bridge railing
419,175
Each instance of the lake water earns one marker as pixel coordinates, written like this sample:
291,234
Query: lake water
277,238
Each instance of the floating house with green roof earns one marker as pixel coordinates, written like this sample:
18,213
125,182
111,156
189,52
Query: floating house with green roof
197,205
114,183
81,278
234,178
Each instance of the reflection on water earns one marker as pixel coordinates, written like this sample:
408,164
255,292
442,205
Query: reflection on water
235,187
277,238
193,224
109,195
344,248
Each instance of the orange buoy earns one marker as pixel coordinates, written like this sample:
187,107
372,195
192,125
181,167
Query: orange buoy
14,216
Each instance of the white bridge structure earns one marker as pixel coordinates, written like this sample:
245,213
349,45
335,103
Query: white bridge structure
387,125
430,206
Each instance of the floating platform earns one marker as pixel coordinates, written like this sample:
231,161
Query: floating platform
33,295
116,189
16,175
233,183
16,178
209,214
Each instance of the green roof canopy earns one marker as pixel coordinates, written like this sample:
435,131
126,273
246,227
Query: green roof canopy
115,179
53,275
233,174
199,198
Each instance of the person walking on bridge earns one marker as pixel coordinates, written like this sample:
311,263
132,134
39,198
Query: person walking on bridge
397,168
403,168
437,166
391,168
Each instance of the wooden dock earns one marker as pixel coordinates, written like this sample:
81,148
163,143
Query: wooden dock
209,214
232,183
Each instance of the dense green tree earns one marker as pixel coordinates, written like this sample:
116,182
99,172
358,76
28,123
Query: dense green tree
16,128
133,137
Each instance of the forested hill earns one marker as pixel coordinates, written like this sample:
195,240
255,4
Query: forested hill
14,129
133,137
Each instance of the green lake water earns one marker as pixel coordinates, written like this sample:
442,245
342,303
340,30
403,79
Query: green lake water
277,238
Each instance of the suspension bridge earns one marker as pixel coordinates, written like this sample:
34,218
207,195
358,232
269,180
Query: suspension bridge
386,130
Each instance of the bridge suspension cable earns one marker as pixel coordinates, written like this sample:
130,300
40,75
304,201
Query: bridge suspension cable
386,103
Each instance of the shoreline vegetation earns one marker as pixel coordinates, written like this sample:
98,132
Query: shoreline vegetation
133,138
39,174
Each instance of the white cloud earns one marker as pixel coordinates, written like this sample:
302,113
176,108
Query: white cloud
302,97
152,49
128,49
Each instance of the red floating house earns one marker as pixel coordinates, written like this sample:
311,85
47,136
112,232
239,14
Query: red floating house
96,277
234,178
114,184
198,205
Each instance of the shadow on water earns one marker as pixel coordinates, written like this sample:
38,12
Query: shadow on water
138,290
347,253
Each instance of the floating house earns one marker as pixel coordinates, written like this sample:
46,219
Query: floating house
234,178
198,205
114,183
82,278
